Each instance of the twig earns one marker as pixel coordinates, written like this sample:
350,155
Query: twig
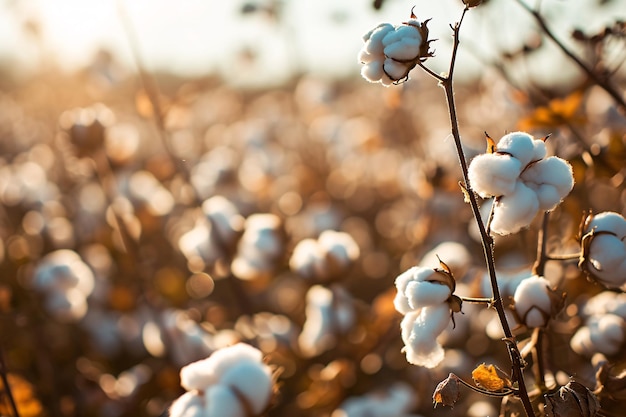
603,83
538,364
540,262
486,240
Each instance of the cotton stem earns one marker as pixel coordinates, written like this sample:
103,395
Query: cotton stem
486,240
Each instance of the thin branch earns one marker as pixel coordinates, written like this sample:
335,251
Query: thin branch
486,240
538,362
431,72
477,300
503,393
600,81
540,262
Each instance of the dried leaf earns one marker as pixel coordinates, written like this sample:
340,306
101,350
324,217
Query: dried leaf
490,378
491,144
447,391
557,112
572,400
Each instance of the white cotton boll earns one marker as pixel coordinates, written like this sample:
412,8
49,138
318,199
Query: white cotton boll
197,375
552,179
581,342
419,333
373,71
365,58
403,33
190,404
606,302
413,274
515,211
607,333
395,70
405,49
533,301
423,294
308,259
253,381
374,38
339,246
494,174
221,401
607,253
224,359
520,145
608,221
326,312
63,269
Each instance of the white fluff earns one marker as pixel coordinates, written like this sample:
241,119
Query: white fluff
419,333
515,211
219,385
414,290
607,254
523,180
533,302
494,174
601,334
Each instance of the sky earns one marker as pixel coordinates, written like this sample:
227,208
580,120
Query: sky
198,37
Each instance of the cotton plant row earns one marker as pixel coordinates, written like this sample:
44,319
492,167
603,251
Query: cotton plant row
517,180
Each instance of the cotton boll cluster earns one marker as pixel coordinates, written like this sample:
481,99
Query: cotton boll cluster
232,382
326,257
213,235
329,313
391,52
604,249
66,282
536,302
522,179
423,298
259,248
396,401
604,330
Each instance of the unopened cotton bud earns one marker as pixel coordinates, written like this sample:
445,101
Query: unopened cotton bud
536,302
572,400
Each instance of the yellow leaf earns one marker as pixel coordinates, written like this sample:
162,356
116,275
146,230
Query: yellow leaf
487,376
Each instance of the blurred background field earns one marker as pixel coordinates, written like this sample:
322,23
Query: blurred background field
115,271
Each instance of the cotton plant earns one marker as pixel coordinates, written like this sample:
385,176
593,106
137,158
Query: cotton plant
523,180
233,382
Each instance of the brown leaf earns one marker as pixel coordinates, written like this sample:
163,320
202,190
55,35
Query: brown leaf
572,400
491,144
447,391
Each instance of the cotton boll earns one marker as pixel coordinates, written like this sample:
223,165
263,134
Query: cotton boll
515,211
606,257
224,217
68,306
408,299
534,301
606,302
224,359
340,247
221,401
494,174
190,404
601,334
607,333
326,313
395,70
419,333
552,179
253,381
308,259
197,375
374,38
520,145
